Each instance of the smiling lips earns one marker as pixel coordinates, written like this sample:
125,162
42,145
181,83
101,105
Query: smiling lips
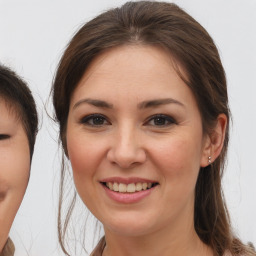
128,185
128,191
128,188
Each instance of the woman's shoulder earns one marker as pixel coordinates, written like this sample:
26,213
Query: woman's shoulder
8,249
227,253
252,253
99,248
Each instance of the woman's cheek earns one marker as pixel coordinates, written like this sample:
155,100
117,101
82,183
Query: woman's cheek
82,155
177,157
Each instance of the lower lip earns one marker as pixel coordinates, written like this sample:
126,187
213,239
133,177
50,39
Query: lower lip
128,198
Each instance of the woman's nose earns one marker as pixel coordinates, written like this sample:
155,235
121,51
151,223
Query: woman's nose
127,149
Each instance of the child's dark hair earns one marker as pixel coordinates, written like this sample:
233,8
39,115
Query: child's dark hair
16,94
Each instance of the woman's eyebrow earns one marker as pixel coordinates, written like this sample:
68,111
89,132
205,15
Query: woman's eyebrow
94,102
144,104
158,102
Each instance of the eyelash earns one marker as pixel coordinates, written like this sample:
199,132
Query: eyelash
94,117
165,118
4,136
90,120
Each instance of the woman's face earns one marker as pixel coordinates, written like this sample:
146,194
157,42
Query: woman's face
14,168
135,142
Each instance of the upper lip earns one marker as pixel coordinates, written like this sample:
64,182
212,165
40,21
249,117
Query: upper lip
127,180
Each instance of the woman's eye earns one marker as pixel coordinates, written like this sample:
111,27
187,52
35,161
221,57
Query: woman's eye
160,120
94,120
4,136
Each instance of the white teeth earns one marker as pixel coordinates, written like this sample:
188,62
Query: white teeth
144,186
138,186
131,188
128,188
122,188
110,185
115,187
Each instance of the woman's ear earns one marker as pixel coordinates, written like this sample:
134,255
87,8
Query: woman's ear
213,142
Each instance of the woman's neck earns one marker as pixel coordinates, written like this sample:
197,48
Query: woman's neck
163,242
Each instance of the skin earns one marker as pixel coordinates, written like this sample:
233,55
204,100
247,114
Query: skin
14,168
129,141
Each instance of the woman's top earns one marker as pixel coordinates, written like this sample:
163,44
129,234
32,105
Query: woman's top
99,248
102,243
8,249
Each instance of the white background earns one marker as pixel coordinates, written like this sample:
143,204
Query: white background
33,35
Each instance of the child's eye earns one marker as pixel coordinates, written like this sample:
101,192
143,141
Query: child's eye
95,120
4,136
160,120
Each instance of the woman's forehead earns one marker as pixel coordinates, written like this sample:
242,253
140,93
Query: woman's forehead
132,63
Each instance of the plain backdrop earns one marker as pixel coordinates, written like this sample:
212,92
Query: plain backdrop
33,35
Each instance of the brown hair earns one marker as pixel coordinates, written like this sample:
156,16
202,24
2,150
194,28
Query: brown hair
15,92
165,25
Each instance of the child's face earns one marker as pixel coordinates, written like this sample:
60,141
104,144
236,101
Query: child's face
14,168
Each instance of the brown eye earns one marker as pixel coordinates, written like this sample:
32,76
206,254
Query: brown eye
94,120
160,120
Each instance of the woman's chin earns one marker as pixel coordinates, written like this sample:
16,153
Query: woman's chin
128,227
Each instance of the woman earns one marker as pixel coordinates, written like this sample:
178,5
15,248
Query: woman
18,129
140,96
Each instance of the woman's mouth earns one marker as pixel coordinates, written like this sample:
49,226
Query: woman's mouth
127,191
129,188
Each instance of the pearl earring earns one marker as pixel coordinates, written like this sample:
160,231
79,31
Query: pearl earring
209,159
